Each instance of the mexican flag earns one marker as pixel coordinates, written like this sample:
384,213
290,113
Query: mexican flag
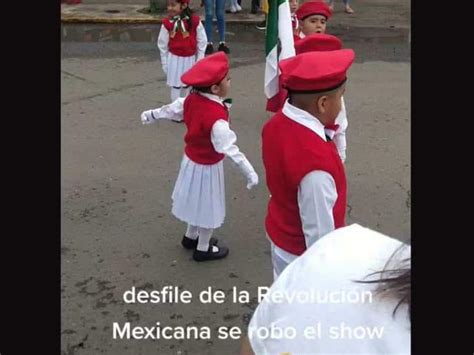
278,27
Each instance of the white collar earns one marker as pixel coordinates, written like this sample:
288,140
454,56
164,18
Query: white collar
304,118
212,97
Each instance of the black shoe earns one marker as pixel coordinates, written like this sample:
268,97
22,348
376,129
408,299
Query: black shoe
210,255
189,243
262,26
209,49
223,48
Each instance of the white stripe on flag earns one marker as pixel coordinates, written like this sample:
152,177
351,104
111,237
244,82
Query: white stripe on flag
285,31
271,74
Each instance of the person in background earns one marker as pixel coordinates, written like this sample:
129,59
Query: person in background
262,26
347,8
313,17
216,7
181,41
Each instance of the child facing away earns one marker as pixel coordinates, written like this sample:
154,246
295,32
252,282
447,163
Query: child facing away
321,42
199,193
304,173
182,41
317,42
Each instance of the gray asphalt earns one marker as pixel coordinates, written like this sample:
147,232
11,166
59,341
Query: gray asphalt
117,178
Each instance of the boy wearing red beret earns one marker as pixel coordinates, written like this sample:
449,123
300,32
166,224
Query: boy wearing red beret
199,194
304,173
318,42
312,17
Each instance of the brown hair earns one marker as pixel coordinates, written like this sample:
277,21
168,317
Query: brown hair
394,281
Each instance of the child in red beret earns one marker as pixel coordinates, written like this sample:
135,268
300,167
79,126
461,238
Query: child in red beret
304,173
318,42
199,194
182,41
312,17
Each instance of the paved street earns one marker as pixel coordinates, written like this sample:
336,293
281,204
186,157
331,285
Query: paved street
118,175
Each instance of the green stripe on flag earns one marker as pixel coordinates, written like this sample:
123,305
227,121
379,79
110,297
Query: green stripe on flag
271,39
278,28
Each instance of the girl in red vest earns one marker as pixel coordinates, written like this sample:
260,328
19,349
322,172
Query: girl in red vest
199,194
182,41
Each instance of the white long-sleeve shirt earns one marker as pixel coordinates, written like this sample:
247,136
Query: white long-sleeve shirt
339,137
223,138
317,194
164,38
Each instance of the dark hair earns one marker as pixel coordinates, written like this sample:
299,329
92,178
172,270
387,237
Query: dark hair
395,281
316,93
186,12
206,90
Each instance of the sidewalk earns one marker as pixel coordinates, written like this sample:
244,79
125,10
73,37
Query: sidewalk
369,13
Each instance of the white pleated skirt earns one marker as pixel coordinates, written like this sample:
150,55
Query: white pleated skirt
199,194
177,66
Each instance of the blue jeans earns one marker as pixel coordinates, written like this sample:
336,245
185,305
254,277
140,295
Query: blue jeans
346,2
220,11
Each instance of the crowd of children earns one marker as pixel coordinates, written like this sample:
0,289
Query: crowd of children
303,151
303,143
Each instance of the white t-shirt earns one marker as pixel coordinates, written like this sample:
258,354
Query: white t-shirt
334,314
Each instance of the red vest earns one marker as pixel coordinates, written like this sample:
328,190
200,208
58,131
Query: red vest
290,151
179,45
200,114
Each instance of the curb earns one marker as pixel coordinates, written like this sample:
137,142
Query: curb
130,14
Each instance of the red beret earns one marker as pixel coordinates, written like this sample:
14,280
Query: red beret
208,71
313,8
318,42
316,71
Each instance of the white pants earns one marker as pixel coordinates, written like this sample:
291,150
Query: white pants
280,259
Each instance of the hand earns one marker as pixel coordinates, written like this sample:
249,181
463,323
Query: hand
252,180
165,69
146,117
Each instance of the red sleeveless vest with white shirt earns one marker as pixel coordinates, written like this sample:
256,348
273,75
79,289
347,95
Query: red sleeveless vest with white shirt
180,45
200,114
291,151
